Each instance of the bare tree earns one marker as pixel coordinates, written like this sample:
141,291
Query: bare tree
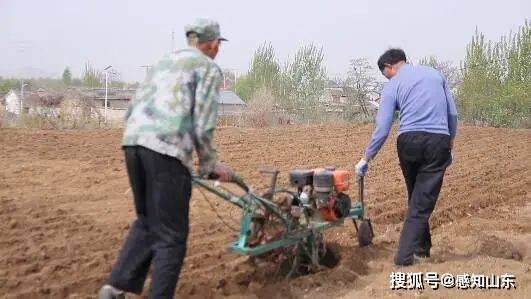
361,86
447,69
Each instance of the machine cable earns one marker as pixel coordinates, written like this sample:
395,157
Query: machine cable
216,212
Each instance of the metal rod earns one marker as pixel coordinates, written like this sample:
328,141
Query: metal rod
360,188
106,87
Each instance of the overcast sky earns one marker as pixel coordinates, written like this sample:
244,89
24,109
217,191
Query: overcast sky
41,38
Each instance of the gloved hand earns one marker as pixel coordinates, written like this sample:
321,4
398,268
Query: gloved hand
362,167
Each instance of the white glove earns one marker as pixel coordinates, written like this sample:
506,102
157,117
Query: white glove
362,167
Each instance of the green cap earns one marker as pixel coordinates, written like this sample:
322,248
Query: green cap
205,29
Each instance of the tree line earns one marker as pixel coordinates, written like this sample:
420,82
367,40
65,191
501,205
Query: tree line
91,77
492,85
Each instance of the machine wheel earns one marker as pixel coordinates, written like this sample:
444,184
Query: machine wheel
365,233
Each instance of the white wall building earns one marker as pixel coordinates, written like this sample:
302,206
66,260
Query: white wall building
13,102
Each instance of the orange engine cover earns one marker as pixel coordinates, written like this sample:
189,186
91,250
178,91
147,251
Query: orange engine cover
341,180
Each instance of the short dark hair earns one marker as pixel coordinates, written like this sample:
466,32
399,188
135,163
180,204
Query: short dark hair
391,57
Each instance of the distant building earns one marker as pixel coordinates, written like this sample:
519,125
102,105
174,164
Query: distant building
32,102
78,100
116,98
229,103
13,102
334,96
41,92
117,102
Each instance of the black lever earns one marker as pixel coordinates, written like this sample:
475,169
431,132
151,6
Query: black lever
274,175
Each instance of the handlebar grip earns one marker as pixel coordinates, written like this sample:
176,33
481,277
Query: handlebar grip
212,176
234,179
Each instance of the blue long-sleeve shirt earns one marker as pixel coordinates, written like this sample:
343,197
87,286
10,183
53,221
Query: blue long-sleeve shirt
425,102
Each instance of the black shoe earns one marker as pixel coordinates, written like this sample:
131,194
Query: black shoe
110,292
414,261
417,259
402,263
422,253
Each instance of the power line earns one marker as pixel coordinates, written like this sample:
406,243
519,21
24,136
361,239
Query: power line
172,41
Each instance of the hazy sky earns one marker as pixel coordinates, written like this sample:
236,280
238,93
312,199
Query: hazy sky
40,37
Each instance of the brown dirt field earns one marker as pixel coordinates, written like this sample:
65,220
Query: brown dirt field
65,209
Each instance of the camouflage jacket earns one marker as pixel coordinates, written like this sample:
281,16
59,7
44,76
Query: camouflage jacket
175,109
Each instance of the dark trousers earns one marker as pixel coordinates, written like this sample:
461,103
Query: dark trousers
161,187
423,159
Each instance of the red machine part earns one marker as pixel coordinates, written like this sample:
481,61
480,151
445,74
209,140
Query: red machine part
327,213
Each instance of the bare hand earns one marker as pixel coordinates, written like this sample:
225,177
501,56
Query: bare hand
223,172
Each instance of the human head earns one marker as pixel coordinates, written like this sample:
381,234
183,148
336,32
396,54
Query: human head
391,61
204,34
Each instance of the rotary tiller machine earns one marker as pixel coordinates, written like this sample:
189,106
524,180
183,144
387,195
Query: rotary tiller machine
286,225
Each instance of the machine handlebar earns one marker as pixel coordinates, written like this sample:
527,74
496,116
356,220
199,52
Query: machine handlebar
234,179
239,181
361,192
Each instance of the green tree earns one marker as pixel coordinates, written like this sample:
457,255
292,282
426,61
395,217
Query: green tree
296,87
496,87
264,72
91,76
245,87
304,79
7,84
67,76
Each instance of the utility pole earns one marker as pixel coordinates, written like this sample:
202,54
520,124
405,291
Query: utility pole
225,77
21,95
172,40
147,67
22,84
106,70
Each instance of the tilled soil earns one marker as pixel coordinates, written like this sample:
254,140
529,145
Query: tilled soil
65,208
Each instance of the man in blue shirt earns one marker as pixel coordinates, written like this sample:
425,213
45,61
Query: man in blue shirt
428,123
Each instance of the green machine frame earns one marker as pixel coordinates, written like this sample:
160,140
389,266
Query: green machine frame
295,233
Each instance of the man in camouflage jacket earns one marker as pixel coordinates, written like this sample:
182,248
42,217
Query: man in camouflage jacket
174,110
